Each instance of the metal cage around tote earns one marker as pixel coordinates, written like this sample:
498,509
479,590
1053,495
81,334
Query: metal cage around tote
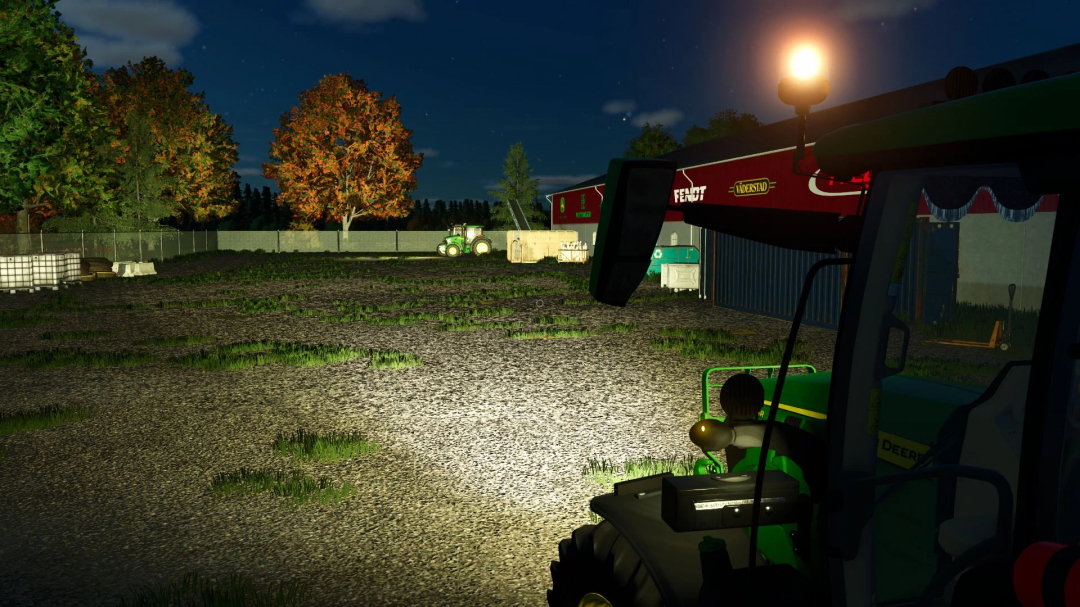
48,270
16,273
72,268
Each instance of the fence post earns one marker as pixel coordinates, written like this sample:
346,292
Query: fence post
206,239
339,241
82,234
114,244
140,246
193,241
397,248
278,241
41,236
161,245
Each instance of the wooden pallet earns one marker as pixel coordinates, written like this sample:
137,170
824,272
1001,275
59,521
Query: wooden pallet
996,340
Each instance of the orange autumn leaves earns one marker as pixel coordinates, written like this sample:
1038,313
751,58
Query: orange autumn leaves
195,145
344,154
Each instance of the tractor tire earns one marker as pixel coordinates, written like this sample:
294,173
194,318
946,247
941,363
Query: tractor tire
481,247
452,250
598,568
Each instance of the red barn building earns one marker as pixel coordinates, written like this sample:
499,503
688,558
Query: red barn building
754,168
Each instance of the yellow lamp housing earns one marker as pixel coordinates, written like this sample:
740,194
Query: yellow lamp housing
803,92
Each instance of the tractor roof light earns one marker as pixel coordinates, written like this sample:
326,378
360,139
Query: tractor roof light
805,84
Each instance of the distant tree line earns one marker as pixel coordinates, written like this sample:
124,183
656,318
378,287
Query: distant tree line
256,209
656,139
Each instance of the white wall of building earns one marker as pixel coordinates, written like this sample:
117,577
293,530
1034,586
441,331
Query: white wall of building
674,233
995,253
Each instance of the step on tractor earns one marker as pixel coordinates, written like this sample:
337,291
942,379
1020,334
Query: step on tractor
886,480
465,239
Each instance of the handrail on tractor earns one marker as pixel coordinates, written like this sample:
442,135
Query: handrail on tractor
705,385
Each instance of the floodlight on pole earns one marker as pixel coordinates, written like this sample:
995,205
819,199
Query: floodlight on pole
805,85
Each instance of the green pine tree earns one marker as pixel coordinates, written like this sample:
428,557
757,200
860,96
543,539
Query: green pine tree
517,185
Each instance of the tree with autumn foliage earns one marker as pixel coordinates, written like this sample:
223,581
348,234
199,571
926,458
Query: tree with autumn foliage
193,145
53,135
343,154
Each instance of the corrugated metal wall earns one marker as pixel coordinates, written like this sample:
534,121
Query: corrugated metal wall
762,279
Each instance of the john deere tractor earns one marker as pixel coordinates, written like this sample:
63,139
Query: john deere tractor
465,239
886,480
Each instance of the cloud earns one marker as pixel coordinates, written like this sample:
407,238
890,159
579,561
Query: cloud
619,106
666,117
448,163
247,158
868,10
428,152
249,171
367,11
117,31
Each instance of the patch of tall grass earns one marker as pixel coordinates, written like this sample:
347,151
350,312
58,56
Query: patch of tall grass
331,447
41,418
296,487
247,355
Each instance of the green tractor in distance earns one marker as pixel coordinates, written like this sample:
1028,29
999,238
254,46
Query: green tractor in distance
465,239
881,481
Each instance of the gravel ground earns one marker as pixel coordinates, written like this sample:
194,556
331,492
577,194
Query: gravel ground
478,478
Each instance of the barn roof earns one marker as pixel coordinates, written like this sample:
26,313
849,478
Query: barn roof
780,135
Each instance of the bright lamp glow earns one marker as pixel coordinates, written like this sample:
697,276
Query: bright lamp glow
806,63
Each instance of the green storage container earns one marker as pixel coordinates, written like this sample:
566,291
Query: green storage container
680,254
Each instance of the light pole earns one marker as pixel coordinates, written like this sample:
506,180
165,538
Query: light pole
805,85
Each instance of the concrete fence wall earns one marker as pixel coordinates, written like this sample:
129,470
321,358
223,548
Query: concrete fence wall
335,242
116,246
148,246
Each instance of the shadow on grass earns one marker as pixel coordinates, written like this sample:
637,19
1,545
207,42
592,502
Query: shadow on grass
75,334
771,354
478,326
949,370
45,359
182,340
235,591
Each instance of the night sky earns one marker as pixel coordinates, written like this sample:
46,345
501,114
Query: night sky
571,80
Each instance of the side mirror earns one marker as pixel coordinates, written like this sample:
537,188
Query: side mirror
631,216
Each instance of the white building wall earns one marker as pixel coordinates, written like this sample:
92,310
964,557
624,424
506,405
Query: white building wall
995,253
673,233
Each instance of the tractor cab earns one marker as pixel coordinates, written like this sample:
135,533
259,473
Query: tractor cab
464,239
927,464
